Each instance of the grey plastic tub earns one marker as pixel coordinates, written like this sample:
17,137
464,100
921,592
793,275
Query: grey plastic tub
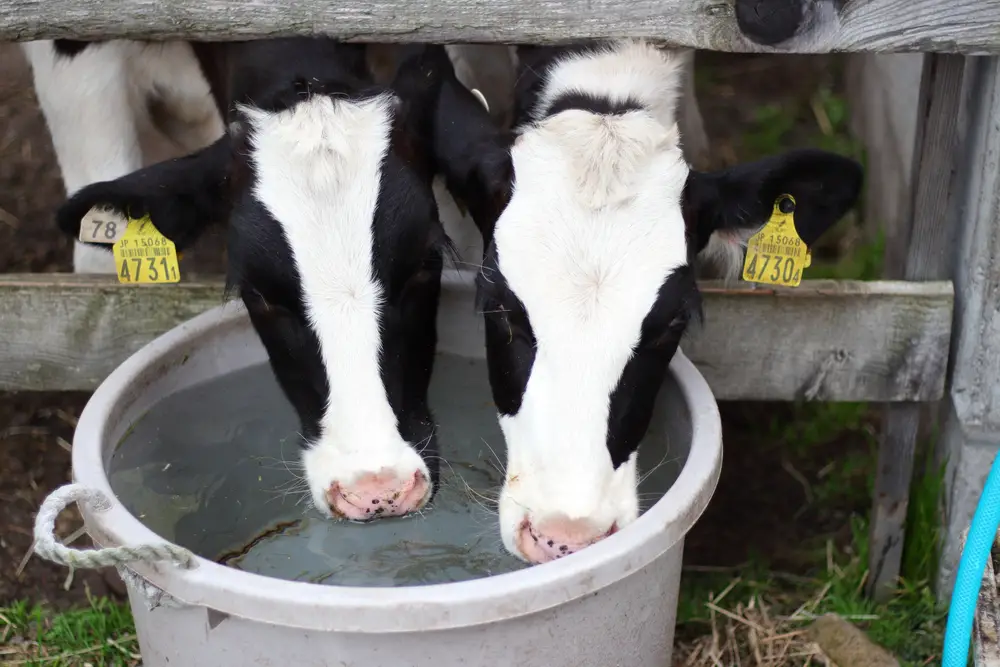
613,603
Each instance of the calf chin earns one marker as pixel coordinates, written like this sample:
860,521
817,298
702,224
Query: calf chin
549,514
365,483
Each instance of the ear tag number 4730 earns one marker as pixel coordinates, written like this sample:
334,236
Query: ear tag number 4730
776,255
145,256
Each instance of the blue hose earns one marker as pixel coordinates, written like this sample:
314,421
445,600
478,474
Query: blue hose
965,595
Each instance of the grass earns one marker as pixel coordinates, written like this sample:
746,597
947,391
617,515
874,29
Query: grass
101,634
720,609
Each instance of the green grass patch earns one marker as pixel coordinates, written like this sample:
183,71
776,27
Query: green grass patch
821,121
864,262
831,579
102,634
924,518
910,624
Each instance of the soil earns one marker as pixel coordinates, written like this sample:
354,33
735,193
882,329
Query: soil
756,507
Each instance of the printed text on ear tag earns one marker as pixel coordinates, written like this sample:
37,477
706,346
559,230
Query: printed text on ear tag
145,256
776,255
102,225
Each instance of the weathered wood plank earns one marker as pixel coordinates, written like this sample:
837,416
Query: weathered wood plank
883,92
921,247
891,497
825,340
968,26
971,428
68,332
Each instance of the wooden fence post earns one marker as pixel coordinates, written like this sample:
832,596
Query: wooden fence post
971,425
919,249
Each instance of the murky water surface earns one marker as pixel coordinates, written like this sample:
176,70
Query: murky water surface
215,468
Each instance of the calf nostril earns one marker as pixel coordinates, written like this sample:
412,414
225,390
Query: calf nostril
551,543
374,501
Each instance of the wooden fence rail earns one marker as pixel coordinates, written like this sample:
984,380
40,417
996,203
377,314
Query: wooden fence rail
825,340
955,26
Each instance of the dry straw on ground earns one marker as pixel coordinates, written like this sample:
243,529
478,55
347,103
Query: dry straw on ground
750,635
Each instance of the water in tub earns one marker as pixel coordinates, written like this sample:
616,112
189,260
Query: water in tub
215,469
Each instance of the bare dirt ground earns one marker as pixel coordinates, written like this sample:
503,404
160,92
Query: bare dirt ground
756,508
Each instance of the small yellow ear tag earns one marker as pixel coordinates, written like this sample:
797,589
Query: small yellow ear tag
144,256
776,255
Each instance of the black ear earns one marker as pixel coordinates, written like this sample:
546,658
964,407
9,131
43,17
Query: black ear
420,72
182,197
472,153
733,204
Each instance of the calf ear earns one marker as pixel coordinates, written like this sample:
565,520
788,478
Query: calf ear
472,153
723,209
416,83
182,197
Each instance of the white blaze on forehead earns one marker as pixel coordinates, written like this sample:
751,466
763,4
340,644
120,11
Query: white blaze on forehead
592,231
628,70
318,170
587,278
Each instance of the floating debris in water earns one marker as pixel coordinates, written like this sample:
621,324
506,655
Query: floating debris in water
230,556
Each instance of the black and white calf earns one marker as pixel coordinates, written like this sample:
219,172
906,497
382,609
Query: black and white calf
335,248
591,220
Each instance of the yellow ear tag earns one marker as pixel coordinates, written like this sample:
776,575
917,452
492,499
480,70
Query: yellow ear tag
776,255
144,256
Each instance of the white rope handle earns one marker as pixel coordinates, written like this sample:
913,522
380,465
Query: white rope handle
49,548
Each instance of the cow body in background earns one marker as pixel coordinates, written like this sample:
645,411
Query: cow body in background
335,247
591,220
113,107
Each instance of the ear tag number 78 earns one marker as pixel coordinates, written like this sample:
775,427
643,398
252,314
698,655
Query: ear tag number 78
145,256
776,255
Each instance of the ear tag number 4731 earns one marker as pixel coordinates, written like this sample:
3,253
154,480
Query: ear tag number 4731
145,256
776,255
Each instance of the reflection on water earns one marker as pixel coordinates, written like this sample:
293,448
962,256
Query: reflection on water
215,468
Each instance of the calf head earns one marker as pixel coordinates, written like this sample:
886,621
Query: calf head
591,220
336,250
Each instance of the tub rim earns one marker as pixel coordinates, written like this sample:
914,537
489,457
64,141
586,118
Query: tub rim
405,609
